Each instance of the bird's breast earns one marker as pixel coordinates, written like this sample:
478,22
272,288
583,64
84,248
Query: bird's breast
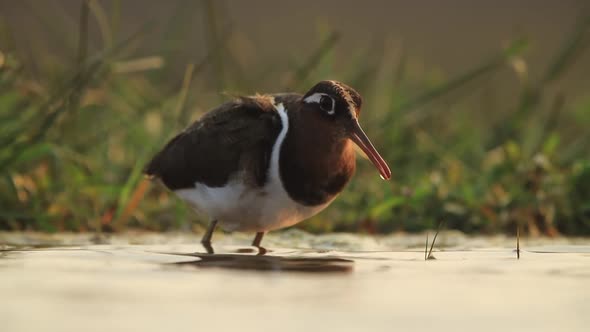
315,175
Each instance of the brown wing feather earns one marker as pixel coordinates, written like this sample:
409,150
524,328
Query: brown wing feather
236,136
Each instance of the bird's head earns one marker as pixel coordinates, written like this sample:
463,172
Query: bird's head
340,106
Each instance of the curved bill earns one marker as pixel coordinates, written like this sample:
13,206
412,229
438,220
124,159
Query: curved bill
359,137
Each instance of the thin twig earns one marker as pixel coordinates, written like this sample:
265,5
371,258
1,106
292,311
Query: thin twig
426,248
434,240
517,241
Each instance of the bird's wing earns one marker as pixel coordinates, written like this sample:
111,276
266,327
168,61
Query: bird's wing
236,136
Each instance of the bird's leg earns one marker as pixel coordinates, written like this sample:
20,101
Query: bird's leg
206,240
256,243
257,239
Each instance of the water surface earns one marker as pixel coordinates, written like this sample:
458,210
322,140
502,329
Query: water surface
339,282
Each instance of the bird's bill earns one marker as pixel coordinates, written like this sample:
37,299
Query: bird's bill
359,137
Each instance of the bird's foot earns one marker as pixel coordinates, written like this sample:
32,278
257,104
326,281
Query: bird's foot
208,247
261,251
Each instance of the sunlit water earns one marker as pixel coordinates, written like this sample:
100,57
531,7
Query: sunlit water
154,282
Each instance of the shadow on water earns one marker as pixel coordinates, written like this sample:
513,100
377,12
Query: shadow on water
259,260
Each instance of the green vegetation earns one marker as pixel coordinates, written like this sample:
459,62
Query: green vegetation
75,133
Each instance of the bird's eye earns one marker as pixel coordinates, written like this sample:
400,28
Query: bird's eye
327,104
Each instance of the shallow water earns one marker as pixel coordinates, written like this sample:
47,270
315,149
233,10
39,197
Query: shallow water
347,283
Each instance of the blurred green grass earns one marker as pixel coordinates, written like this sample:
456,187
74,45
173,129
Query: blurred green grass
76,133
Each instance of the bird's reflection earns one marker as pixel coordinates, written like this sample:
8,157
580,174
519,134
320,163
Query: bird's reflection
259,259
259,250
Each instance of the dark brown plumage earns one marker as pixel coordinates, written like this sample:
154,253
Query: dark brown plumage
237,135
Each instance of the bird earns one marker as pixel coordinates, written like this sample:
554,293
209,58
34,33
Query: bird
269,161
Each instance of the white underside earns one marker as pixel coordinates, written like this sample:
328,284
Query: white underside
238,207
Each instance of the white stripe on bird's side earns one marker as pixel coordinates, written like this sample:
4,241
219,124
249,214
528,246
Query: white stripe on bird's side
238,206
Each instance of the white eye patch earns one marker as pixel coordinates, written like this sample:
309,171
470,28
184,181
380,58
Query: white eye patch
326,102
315,98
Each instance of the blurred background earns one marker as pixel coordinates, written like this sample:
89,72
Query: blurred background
481,108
